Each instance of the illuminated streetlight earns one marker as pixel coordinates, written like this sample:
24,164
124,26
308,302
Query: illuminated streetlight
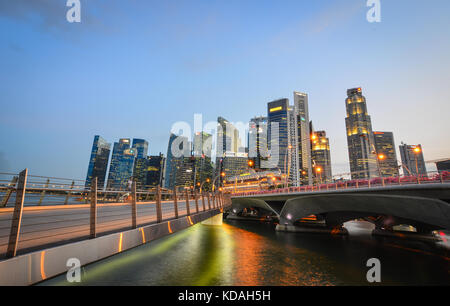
381,156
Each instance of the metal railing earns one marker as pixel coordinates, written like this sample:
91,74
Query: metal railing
429,178
37,212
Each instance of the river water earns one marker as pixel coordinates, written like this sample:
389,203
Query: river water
253,253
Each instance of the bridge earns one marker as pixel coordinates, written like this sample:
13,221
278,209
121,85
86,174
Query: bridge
420,202
46,221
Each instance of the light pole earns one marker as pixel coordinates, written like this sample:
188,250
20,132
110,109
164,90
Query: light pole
319,170
416,151
206,181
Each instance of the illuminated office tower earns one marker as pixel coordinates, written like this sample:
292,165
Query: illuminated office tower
257,141
385,151
293,147
155,170
361,146
278,123
321,157
227,142
303,137
98,163
179,145
202,157
141,147
412,159
122,165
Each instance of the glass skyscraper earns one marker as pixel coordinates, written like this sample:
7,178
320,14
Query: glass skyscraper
98,163
321,157
141,146
361,145
278,124
413,162
122,163
303,142
385,150
257,141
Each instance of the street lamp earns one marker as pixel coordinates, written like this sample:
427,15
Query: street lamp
417,151
319,170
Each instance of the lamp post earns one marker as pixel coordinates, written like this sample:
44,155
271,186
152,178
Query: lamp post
319,171
206,181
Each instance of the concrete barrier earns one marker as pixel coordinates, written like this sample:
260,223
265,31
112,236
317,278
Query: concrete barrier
35,267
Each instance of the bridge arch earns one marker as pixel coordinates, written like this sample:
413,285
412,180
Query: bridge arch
422,212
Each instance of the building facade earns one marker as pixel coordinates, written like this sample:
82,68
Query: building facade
141,146
98,163
386,155
413,162
361,145
321,157
257,141
122,164
303,137
278,124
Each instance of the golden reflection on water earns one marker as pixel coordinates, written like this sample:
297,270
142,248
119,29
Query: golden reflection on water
260,261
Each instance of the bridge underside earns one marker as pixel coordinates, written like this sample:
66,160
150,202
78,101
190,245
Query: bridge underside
330,211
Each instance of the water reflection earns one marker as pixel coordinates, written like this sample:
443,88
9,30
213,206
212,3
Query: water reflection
252,253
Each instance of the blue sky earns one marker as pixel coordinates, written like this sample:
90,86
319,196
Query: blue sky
133,68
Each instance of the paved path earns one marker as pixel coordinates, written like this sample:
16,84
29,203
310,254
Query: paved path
54,225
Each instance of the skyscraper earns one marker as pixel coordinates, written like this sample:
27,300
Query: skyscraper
278,124
141,146
181,146
155,170
257,141
321,157
98,163
122,162
303,137
413,162
293,148
361,145
385,150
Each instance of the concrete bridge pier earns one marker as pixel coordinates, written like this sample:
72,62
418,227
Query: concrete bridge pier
320,226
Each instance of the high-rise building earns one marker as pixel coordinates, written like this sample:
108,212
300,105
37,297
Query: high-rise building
155,170
293,149
385,151
361,145
182,147
257,141
443,165
278,125
227,137
413,162
98,163
234,164
122,164
304,137
141,147
321,157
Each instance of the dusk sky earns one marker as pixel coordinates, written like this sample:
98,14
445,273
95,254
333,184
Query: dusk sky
132,68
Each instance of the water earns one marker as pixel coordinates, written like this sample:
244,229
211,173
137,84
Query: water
251,253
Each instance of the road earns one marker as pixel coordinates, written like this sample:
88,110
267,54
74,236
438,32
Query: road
45,226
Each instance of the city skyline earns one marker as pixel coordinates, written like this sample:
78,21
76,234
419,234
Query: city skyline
62,103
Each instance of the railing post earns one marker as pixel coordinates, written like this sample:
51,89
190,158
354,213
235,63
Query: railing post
418,178
17,215
68,193
196,200
336,186
441,177
93,210
175,202
382,182
133,205
188,208
43,192
9,192
158,205
368,182
203,201
209,200
357,183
